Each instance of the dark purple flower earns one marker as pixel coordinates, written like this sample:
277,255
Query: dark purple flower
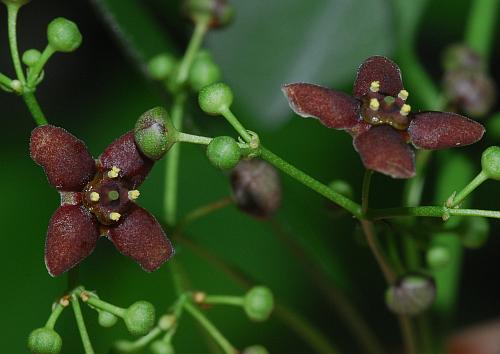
97,198
380,121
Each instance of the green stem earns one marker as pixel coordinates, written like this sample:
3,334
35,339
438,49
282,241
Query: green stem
56,312
194,45
193,139
210,328
231,118
203,211
476,182
224,300
429,211
365,190
324,190
172,163
408,334
105,306
5,80
480,28
37,69
87,346
12,11
132,347
34,108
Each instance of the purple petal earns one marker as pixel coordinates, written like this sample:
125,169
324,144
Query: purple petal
140,237
380,69
124,154
334,109
72,235
384,150
441,130
64,158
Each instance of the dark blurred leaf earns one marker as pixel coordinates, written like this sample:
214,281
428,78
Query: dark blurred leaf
275,42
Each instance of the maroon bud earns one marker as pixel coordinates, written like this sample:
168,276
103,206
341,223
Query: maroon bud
460,56
256,188
219,12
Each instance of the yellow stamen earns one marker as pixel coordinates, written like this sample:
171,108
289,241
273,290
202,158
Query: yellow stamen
403,94
405,109
94,196
375,86
114,216
114,172
133,194
374,104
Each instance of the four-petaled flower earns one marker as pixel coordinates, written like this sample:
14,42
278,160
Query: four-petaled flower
379,120
97,198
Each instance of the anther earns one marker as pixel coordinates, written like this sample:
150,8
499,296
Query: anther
113,173
94,196
374,104
405,109
403,94
133,194
375,86
114,216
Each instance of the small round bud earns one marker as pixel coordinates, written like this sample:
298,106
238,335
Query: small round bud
63,35
258,303
223,152
490,162
219,12
161,347
476,231
31,57
140,318
255,349
203,71
162,66
152,135
106,319
215,98
342,187
256,188
44,341
16,2
438,257
166,322
411,295
460,56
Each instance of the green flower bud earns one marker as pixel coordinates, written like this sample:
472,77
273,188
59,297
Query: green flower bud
44,341
438,257
16,2
342,187
255,349
215,98
106,319
258,303
203,71
490,162
223,152
162,66
31,57
161,347
219,12
154,133
476,232
63,35
140,318
411,295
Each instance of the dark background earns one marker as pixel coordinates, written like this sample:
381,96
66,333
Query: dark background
98,92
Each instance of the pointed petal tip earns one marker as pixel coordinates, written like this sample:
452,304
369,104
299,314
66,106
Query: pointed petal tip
381,69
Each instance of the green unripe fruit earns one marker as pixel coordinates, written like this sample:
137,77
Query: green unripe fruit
258,303
16,2
223,152
342,187
438,257
411,295
106,319
140,318
255,349
152,133
162,66
44,341
215,98
31,57
63,35
161,347
490,162
203,71
476,232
